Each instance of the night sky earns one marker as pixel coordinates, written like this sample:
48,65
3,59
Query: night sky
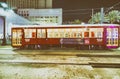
81,9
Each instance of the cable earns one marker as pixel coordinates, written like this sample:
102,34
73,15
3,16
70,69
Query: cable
89,9
80,10
116,4
75,13
112,7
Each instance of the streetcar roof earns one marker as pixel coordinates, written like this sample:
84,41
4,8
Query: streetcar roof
71,25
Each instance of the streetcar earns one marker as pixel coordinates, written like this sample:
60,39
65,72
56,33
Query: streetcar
91,36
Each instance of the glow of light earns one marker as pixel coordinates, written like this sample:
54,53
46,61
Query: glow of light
82,23
112,26
112,47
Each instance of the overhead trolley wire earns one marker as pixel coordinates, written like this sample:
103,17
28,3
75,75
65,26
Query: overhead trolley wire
112,7
76,13
81,10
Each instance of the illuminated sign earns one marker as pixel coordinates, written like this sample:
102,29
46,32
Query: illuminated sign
71,41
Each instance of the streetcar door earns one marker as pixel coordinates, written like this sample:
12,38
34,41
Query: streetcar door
112,37
16,37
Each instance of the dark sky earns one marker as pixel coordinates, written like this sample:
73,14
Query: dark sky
81,9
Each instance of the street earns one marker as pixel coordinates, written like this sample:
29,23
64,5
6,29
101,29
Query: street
57,63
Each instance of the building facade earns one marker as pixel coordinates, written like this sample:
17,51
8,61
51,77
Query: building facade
37,11
42,16
21,4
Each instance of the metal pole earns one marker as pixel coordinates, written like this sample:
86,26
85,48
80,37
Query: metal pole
4,31
102,15
45,3
92,15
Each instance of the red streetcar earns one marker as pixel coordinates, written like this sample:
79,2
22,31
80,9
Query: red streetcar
90,36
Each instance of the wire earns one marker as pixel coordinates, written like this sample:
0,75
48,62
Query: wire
80,10
88,10
112,7
116,4
76,13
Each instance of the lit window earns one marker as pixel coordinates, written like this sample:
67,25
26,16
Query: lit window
86,34
41,33
92,34
30,33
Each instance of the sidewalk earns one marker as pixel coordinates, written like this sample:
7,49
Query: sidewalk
5,46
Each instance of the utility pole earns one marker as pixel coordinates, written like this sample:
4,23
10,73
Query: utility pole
45,3
92,15
102,16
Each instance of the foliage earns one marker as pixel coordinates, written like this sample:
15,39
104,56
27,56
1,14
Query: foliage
76,21
113,16
95,18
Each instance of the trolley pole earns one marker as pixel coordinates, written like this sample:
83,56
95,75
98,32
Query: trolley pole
102,16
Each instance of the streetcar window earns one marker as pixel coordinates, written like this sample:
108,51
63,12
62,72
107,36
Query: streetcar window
92,34
86,34
56,35
30,33
107,41
116,34
33,34
41,33
80,34
112,41
17,37
116,41
74,35
99,34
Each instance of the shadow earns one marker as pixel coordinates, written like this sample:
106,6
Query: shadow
62,50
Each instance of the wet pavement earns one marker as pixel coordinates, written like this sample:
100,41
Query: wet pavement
22,70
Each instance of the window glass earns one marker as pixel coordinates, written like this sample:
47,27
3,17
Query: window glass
92,34
75,33
41,33
99,34
30,33
16,37
86,34
96,32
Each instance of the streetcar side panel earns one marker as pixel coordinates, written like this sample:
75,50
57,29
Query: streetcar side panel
105,36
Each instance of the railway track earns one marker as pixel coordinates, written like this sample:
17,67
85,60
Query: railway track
78,55
93,64
90,63
105,65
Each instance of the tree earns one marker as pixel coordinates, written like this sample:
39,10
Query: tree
95,18
113,16
76,21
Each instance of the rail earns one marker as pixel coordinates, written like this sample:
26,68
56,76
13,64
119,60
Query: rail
93,64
